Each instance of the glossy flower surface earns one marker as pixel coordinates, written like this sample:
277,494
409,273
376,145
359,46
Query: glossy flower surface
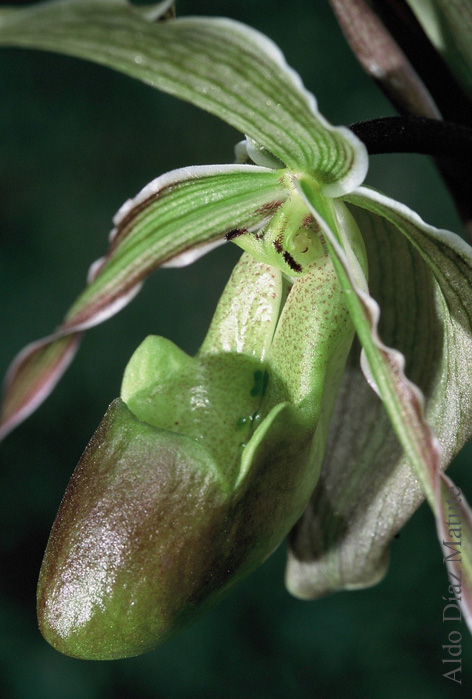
298,208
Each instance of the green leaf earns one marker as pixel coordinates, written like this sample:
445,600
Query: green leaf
449,28
217,64
174,219
366,491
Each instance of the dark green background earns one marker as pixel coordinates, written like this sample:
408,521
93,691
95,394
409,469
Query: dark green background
76,140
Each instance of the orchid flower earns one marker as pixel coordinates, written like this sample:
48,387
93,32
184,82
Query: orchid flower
386,421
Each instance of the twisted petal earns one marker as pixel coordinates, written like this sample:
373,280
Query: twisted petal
367,491
174,219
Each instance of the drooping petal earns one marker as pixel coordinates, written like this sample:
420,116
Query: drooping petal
447,276
33,375
173,219
367,491
175,216
217,64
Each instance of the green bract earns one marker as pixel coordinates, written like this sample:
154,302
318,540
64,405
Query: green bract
203,466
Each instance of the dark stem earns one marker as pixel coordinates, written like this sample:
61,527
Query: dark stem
409,134
449,96
450,144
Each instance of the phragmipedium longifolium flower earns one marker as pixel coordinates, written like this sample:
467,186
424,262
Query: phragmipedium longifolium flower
204,464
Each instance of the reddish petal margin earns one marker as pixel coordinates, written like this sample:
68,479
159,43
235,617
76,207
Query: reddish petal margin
451,510
174,219
36,370
454,526
404,404
33,376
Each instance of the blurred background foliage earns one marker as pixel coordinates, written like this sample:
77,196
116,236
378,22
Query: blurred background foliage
76,140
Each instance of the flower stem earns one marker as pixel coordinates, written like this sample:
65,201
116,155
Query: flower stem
410,134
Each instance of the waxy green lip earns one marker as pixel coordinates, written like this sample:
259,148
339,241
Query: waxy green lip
198,472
